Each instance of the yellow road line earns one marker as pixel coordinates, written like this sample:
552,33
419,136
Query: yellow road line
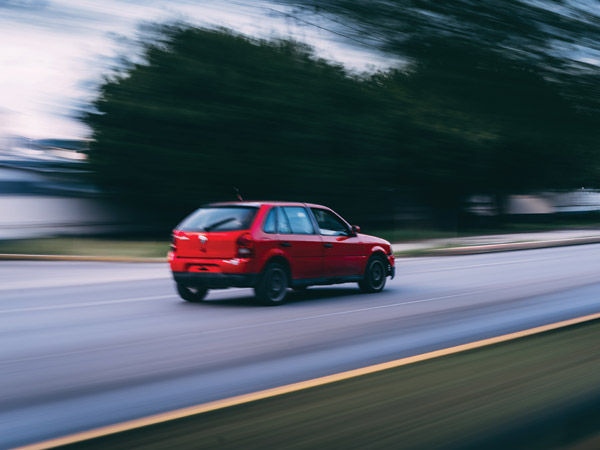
268,393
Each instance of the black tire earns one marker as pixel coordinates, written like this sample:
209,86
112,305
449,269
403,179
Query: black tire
191,294
375,275
272,287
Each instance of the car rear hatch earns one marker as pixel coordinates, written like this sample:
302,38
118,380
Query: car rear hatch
206,245
212,232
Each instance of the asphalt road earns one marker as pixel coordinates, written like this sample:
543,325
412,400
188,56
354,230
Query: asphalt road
89,344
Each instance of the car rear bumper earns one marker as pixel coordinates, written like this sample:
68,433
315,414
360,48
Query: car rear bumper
213,273
215,280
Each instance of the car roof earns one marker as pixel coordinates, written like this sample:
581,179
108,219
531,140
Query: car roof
258,204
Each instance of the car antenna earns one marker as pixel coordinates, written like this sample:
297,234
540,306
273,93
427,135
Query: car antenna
237,193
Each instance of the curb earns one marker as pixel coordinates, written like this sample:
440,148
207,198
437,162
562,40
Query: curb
19,257
451,251
493,248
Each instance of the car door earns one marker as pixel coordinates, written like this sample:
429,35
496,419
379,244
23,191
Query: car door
344,253
268,237
300,242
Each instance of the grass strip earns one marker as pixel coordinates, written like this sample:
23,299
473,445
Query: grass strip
538,392
85,247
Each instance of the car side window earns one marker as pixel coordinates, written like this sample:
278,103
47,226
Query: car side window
271,222
329,223
299,221
283,223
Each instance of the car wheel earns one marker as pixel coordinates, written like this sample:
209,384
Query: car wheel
273,285
375,275
191,294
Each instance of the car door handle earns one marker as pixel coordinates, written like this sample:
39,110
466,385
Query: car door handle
285,244
328,245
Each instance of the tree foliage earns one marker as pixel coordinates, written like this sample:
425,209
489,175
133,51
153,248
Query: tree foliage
484,123
210,110
514,84
560,39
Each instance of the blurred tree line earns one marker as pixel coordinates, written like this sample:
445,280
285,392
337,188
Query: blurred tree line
506,92
210,110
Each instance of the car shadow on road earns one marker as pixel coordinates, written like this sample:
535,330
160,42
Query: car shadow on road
313,295
317,293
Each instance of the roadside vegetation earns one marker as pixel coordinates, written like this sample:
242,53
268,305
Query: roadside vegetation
539,392
84,246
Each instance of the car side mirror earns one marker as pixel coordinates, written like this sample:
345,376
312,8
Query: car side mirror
355,230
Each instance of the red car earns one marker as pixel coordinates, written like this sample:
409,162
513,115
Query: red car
272,246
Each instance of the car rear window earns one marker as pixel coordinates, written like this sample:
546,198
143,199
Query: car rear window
221,218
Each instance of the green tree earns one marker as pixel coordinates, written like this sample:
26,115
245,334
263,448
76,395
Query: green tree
210,110
501,96
560,38
482,122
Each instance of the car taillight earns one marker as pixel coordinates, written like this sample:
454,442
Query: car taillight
173,243
245,246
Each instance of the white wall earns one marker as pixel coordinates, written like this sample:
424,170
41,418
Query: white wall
25,216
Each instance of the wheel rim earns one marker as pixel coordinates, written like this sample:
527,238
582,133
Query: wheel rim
277,285
377,274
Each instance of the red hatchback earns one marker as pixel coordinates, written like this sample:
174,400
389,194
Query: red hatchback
272,246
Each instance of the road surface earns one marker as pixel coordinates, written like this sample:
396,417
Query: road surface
90,344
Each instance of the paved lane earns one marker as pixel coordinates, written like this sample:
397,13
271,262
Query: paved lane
89,344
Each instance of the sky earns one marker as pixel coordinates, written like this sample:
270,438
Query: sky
55,53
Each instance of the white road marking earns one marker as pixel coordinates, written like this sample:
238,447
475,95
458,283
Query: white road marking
481,265
82,305
340,313
79,279
226,330
103,302
211,293
257,325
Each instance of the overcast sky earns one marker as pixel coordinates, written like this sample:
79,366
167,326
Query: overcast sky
53,53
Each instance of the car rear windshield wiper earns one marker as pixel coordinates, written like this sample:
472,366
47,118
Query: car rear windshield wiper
219,223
